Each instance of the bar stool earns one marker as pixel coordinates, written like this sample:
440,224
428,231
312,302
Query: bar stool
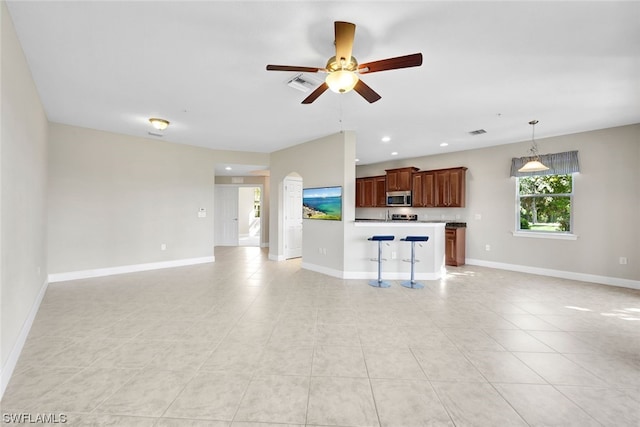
413,239
380,283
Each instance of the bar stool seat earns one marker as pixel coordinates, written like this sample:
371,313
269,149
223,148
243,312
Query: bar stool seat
413,239
379,283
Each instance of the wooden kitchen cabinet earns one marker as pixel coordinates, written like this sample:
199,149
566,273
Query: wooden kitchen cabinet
423,195
450,187
379,191
454,246
400,179
359,192
370,192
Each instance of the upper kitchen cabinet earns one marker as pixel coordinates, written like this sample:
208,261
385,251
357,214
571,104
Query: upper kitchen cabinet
379,191
450,187
424,195
400,179
371,192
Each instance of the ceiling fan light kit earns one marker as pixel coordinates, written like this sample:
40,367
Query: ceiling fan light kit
341,81
343,69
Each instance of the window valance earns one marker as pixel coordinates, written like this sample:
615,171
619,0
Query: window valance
558,163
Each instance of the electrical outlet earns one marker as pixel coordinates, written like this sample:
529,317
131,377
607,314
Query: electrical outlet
477,217
394,255
487,247
163,247
623,260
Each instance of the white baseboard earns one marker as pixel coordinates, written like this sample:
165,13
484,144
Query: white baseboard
276,257
369,274
592,278
14,355
324,270
99,272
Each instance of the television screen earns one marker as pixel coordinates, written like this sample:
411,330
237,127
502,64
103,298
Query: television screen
322,203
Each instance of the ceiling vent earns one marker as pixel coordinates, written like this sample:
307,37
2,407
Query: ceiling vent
302,82
156,134
477,132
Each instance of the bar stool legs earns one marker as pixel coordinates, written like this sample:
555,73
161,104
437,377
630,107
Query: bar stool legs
412,283
379,283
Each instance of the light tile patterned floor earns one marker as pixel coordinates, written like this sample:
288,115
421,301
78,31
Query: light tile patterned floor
247,342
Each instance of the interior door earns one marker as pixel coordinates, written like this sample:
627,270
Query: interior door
226,218
293,218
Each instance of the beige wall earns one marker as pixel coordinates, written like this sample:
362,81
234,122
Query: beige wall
114,199
23,198
606,204
327,161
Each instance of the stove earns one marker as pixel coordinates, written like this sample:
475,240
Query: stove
404,217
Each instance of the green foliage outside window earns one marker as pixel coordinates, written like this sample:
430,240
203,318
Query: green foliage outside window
545,203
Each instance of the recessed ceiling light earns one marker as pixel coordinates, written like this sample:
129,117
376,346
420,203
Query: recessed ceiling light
444,144
395,153
228,168
386,138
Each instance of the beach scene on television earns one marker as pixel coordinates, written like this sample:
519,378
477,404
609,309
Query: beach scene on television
322,203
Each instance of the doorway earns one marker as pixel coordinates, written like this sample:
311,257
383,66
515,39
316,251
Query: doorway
238,215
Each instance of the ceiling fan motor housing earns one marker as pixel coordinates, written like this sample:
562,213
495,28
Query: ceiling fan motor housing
334,64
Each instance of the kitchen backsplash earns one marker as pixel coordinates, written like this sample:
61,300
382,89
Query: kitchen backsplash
424,214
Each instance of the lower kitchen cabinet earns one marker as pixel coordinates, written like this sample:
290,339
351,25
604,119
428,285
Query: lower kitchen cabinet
454,247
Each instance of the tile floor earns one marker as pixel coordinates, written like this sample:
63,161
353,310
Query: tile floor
247,342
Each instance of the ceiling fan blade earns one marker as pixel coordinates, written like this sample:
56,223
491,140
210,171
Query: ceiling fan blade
293,68
345,33
414,60
316,93
367,93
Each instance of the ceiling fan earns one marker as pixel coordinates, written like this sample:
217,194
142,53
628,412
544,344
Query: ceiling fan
343,69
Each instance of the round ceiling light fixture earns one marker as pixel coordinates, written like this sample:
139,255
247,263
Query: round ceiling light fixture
160,124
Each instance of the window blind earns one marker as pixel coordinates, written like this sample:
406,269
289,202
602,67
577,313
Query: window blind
558,164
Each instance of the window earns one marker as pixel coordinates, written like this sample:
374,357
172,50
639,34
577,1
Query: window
544,200
545,203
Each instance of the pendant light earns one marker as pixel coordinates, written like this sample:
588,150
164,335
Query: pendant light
534,164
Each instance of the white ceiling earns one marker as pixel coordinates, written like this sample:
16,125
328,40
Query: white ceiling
575,66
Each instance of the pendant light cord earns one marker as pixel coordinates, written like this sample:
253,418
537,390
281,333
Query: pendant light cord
534,145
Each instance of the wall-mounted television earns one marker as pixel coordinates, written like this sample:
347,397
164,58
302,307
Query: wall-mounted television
322,203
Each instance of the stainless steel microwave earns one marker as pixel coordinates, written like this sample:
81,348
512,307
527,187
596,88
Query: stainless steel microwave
399,198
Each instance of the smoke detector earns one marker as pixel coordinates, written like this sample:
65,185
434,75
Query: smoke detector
303,82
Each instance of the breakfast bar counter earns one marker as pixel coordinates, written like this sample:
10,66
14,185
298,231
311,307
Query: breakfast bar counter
359,251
